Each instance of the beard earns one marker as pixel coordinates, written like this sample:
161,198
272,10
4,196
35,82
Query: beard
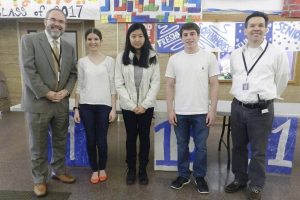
55,33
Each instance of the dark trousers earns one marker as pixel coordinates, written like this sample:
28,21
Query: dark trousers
250,126
137,126
95,119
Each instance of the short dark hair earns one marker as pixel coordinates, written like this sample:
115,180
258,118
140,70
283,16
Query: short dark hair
257,14
144,60
93,30
55,9
189,26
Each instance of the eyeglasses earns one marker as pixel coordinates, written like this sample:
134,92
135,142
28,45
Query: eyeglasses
53,20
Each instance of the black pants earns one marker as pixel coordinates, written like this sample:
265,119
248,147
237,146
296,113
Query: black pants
250,126
95,120
137,125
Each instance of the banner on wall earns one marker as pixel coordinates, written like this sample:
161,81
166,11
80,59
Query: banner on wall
226,36
217,37
150,11
76,152
238,6
279,155
73,9
168,38
287,35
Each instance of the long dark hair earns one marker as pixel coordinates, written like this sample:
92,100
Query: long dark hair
144,60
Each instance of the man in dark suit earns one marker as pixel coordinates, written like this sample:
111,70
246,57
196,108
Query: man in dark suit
49,72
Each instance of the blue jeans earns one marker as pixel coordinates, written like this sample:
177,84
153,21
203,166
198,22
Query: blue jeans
186,124
95,119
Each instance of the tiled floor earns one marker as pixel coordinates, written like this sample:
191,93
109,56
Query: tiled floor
15,171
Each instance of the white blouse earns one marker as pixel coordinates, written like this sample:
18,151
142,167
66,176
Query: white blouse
96,82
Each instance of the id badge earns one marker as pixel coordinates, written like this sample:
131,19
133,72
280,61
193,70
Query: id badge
245,86
263,111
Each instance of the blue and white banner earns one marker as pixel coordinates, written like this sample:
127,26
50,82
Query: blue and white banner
168,38
279,155
226,36
281,145
287,35
76,153
280,150
217,37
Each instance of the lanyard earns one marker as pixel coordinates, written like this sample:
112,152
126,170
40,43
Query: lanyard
57,59
248,72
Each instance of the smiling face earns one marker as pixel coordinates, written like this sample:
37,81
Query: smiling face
93,42
190,40
137,39
256,30
55,24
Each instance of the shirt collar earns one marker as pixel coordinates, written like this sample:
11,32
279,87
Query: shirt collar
50,39
262,46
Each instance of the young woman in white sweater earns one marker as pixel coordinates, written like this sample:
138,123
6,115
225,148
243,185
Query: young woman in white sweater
137,80
95,102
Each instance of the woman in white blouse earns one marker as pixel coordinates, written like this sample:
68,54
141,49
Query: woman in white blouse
95,102
137,81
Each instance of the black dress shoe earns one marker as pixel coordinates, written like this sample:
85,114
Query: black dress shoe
234,186
143,177
131,176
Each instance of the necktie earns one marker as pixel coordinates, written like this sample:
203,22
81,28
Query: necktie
56,60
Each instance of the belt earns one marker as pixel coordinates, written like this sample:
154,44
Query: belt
252,105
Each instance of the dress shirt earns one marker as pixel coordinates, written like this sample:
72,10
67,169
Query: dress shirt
268,78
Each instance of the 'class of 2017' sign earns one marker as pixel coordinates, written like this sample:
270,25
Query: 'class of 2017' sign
73,9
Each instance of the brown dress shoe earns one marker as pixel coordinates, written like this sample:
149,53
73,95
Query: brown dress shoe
40,189
65,178
253,193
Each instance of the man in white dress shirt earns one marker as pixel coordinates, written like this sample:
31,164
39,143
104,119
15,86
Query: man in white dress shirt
260,74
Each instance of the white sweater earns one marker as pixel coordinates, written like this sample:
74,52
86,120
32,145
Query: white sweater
96,82
125,85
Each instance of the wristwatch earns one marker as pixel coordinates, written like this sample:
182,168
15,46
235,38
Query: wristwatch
74,108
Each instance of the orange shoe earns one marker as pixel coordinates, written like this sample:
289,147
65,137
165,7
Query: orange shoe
94,180
103,178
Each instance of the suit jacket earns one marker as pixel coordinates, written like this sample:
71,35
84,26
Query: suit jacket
39,77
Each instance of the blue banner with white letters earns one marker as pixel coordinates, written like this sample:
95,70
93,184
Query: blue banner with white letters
76,153
279,154
168,38
227,36
281,145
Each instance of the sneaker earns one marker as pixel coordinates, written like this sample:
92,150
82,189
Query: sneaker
253,193
179,182
201,185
